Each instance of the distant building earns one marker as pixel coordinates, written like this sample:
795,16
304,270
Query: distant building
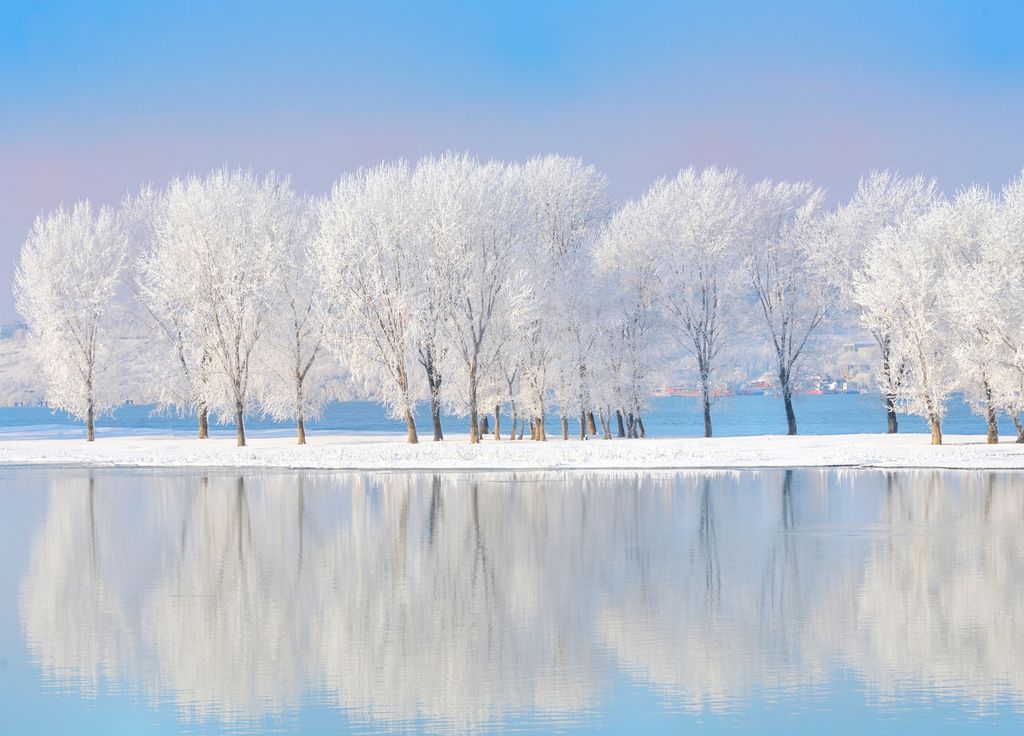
765,384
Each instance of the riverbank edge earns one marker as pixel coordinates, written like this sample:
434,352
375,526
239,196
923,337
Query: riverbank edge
391,453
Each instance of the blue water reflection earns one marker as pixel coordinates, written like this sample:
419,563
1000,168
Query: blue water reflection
775,601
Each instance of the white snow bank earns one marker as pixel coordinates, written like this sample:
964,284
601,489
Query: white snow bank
369,452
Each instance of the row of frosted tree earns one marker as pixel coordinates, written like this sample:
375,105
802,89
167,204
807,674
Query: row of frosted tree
492,288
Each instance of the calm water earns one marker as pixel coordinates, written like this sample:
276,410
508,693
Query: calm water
669,416
769,602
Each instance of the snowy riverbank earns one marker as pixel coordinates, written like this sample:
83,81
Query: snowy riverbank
387,452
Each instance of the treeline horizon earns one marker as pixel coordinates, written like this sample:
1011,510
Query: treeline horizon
503,288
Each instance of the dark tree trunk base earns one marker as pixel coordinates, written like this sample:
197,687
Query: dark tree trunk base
435,418
990,416
410,429
790,414
240,427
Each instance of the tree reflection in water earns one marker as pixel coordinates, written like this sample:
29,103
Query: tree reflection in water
467,600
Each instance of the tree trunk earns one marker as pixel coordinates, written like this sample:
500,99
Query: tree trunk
434,384
204,423
435,417
787,399
90,424
892,422
1020,428
485,425
515,424
497,422
300,424
630,426
565,427
240,425
410,428
583,425
474,413
640,424
990,416
542,432
533,429
591,426
992,437
936,424
705,391
620,423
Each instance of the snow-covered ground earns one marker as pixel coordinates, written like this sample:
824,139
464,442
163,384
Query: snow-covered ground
386,452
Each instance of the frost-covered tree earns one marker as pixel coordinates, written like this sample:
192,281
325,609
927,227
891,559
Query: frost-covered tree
786,264
974,287
366,263
567,201
433,200
511,389
66,287
574,369
883,200
502,363
431,354
293,386
627,265
476,215
998,300
179,364
904,291
217,248
701,221
605,365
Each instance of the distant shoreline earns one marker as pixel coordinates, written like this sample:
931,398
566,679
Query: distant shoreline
390,452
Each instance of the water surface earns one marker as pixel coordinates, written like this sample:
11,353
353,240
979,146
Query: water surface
769,602
668,416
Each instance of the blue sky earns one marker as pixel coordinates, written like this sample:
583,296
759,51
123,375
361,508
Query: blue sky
97,97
